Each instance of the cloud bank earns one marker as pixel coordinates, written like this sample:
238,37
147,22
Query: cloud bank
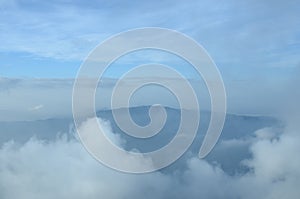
33,99
63,169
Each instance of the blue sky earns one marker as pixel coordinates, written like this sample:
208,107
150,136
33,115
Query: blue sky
254,43
50,39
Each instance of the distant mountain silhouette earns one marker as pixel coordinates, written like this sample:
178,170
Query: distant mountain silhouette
236,127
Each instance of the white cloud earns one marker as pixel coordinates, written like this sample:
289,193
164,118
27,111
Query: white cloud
63,169
36,108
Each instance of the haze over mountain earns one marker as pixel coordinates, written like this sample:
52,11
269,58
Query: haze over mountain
237,127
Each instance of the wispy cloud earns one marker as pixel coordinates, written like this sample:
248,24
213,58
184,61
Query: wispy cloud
20,95
243,33
36,108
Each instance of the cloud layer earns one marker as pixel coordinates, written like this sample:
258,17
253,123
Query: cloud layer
63,169
32,99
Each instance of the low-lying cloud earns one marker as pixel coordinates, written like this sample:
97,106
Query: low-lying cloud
20,96
63,169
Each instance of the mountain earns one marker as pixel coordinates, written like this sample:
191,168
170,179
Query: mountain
229,151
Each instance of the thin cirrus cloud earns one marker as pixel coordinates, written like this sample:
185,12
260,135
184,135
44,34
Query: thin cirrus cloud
247,30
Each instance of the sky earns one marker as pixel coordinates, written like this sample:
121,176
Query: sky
246,39
254,43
